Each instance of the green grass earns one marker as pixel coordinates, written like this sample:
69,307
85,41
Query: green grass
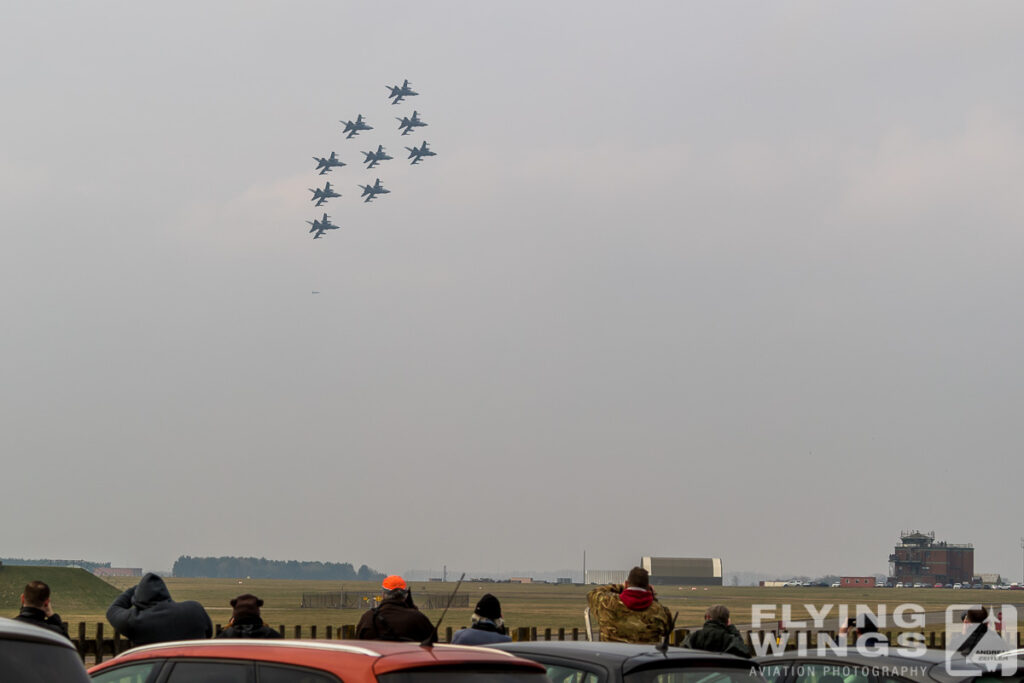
73,591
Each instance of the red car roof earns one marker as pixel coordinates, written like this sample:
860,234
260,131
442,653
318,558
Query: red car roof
349,659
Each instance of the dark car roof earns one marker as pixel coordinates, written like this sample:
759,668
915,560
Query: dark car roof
624,656
17,630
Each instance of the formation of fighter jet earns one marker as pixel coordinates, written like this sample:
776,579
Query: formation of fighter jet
327,163
353,127
400,92
322,194
408,123
417,153
371,191
324,165
373,158
321,226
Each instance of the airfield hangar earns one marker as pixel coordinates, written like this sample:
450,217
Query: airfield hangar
919,558
684,571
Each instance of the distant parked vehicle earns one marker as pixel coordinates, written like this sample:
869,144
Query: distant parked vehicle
835,585
957,586
899,584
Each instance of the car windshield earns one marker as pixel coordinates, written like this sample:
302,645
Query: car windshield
464,675
27,662
693,674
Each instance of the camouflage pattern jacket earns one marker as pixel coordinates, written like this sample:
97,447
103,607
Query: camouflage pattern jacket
621,624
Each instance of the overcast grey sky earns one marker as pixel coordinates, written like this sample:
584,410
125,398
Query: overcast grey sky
685,278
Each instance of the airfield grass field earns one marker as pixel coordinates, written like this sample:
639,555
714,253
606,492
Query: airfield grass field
531,605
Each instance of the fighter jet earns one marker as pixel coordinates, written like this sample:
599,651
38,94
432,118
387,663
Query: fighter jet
417,153
322,194
321,226
353,127
327,163
409,123
373,191
373,158
400,92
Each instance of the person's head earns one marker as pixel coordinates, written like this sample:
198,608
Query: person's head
976,615
638,578
868,626
246,605
36,594
488,607
719,613
395,587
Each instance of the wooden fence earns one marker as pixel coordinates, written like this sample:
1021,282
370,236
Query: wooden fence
107,642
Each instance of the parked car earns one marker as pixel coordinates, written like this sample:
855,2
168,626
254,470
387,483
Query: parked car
835,584
899,584
606,662
957,586
938,585
313,661
30,654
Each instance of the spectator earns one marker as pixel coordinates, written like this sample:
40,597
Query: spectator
396,616
975,629
36,608
629,612
866,633
487,626
246,621
146,614
718,634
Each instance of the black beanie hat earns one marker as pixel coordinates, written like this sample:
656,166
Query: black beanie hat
246,605
488,607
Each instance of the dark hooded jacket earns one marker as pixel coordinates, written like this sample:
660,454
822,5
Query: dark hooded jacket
34,615
396,618
146,614
248,627
718,637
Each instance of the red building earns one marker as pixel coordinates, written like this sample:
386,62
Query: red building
856,582
920,559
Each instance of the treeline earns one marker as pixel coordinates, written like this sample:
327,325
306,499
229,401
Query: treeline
262,568
20,562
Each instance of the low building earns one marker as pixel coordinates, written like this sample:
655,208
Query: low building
605,576
771,584
118,571
684,571
856,582
520,579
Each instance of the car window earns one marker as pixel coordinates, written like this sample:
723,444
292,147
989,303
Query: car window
694,674
27,662
141,672
211,672
567,674
268,673
821,672
464,674
774,672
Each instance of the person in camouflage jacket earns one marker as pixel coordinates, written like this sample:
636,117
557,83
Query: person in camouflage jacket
629,613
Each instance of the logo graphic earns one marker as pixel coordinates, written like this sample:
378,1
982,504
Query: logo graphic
977,638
